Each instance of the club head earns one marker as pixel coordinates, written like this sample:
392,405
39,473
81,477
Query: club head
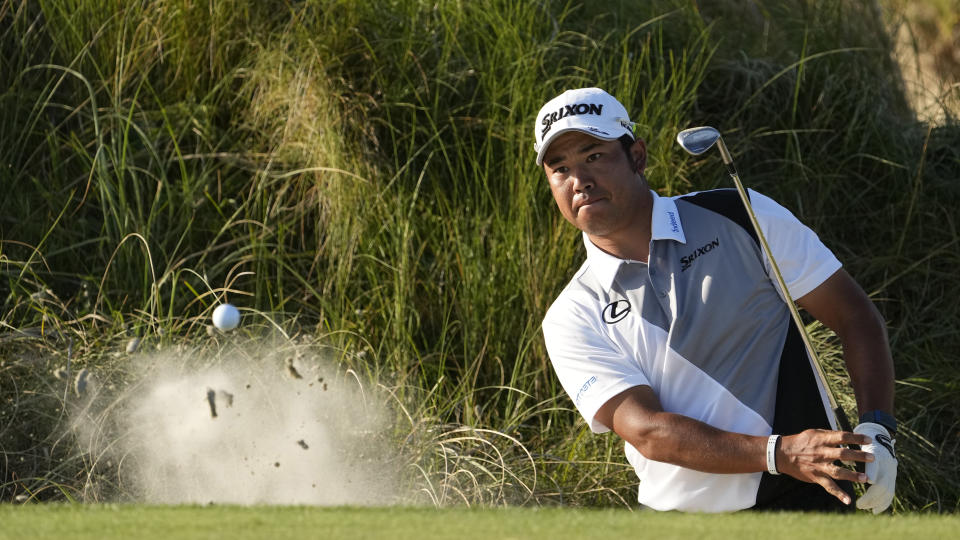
698,140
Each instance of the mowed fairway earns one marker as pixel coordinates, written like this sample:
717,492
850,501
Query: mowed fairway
136,521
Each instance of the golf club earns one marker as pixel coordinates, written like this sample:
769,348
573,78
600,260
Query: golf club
698,140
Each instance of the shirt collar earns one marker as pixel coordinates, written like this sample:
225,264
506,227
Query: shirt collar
664,225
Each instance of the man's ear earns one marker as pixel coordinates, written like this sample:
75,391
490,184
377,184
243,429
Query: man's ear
639,154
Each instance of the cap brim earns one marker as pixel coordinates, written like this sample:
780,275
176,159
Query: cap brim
552,136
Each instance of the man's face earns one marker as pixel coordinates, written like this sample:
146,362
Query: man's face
596,186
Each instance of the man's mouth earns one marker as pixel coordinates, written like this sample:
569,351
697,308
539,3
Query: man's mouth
587,202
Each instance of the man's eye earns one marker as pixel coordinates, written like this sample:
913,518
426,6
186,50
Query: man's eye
560,170
593,157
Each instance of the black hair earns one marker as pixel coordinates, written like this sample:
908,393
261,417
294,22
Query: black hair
626,142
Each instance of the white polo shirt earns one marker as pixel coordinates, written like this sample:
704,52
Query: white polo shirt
703,325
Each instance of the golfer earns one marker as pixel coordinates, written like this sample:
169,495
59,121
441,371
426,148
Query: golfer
673,335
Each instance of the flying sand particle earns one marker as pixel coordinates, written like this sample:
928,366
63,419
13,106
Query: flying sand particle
226,396
60,374
292,370
80,384
212,400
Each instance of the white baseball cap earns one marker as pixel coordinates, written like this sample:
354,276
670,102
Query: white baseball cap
590,110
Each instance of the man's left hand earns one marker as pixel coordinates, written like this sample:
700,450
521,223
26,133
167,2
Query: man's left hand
882,471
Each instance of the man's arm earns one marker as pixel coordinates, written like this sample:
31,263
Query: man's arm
636,415
841,305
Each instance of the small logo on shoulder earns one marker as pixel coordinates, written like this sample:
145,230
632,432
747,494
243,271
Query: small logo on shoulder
616,311
586,386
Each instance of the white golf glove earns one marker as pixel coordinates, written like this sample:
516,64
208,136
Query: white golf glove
882,471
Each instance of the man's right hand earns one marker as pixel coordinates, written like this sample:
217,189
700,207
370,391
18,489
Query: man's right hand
810,456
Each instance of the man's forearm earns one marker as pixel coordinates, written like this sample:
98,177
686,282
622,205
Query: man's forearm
869,362
681,440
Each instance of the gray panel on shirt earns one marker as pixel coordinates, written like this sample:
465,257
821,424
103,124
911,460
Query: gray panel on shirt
730,321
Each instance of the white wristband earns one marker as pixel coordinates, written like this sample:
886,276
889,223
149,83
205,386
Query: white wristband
772,454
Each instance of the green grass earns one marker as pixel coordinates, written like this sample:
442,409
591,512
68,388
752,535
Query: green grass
358,177
426,523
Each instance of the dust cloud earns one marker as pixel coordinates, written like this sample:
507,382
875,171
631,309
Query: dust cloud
249,427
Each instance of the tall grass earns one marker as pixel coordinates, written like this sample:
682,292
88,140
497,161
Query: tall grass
363,172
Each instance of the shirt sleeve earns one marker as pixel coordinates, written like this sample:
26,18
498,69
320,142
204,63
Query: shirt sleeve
804,261
590,367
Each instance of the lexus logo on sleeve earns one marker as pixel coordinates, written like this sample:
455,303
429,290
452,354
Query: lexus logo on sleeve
616,311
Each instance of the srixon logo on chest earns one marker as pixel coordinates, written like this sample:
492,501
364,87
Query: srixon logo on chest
569,110
687,261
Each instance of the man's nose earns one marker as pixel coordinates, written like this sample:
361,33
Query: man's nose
582,180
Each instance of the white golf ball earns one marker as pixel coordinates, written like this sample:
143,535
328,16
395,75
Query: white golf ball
226,317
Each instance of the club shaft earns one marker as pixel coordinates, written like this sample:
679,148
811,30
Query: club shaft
840,419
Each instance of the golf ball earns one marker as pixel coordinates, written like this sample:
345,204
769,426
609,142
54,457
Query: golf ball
226,317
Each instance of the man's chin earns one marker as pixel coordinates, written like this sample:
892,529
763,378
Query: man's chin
592,218
594,227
